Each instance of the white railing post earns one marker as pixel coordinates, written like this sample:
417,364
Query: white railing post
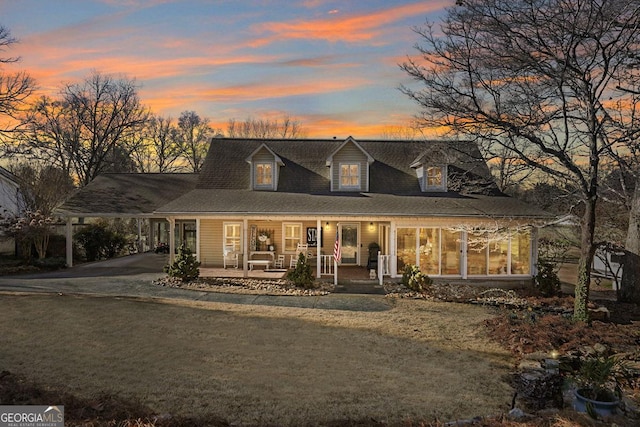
384,266
326,265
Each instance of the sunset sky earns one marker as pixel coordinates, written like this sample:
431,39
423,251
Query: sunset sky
333,65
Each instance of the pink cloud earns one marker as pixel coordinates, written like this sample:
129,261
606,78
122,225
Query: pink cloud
348,28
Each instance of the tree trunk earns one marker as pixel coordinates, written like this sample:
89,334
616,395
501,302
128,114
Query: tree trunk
630,284
587,250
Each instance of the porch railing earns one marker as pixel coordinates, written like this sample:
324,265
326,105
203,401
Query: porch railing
384,267
326,265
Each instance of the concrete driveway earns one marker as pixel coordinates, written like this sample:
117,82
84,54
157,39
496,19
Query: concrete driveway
132,276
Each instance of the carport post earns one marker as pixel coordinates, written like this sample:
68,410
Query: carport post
172,239
69,241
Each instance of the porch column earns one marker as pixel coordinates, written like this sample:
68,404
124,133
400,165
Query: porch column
319,242
463,255
393,246
198,249
69,241
140,244
245,248
172,239
533,269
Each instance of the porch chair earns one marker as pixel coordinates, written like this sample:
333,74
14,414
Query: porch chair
301,248
279,262
230,257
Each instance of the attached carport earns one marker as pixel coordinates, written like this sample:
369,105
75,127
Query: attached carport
124,195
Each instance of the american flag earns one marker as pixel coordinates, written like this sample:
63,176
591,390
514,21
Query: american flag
336,248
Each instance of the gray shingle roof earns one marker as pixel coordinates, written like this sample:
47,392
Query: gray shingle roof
223,185
127,194
305,169
231,202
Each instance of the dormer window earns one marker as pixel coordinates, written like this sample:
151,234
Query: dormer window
264,175
349,165
264,164
435,178
349,176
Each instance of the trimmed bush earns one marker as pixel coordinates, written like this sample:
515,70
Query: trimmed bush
302,276
185,266
547,281
415,279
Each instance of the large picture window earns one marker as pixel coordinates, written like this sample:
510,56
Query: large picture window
499,253
476,253
429,250
438,251
406,249
451,252
521,253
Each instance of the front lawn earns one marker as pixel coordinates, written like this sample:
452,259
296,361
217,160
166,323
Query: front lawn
254,365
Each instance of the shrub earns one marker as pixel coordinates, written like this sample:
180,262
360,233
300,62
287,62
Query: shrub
51,263
185,266
99,241
302,276
415,279
546,280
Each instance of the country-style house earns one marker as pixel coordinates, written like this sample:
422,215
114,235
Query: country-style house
429,203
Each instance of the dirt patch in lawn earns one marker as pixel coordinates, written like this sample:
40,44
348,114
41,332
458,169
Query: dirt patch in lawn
256,365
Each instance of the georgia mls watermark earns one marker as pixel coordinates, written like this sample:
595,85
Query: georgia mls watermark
31,416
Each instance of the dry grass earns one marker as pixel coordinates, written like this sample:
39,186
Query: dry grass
258,365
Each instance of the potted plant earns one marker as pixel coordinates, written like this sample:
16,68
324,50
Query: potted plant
598,379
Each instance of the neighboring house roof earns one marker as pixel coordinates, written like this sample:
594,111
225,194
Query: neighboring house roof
127,194
223,186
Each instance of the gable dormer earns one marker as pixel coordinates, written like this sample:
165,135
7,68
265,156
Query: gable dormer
431,175
265,169
349,167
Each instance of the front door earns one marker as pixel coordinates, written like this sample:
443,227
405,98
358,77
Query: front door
349,243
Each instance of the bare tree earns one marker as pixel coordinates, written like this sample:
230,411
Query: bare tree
507,168
43,187
536,77
92,128
286,128
15,88
160,150
193,134
403,133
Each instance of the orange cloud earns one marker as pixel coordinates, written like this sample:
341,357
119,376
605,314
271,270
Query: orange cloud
348,28
186,94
